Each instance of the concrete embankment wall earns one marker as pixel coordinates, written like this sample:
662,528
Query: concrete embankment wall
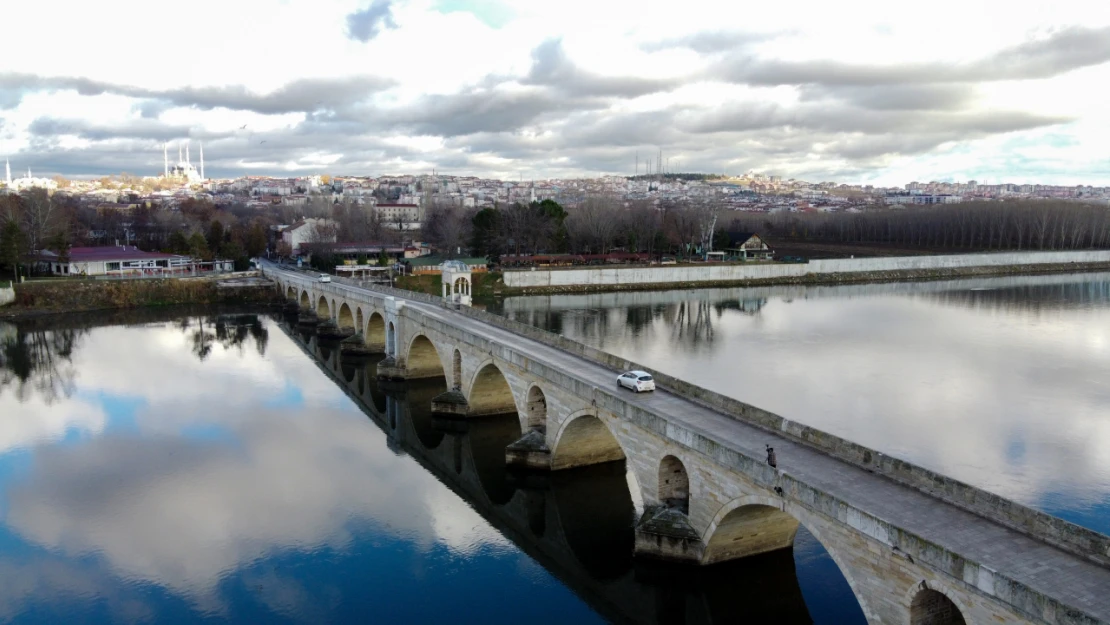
7,294
609,278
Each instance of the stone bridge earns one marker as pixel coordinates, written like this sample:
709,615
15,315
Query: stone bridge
915,547
577,528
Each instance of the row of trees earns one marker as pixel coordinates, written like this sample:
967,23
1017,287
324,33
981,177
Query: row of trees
1012,225
35,221
601,224
597,225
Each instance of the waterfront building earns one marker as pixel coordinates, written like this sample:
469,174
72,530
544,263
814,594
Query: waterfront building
124,260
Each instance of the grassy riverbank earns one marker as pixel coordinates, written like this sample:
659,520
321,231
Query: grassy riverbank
63,296
485,284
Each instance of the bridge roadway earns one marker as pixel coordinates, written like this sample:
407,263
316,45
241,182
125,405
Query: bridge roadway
1007,575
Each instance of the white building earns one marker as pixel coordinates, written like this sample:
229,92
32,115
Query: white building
309,230
184,170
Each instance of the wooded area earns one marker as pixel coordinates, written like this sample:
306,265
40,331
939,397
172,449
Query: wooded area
598,224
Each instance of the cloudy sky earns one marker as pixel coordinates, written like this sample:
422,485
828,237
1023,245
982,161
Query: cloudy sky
875,92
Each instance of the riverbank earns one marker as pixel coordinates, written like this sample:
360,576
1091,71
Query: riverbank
866,277
68,296
829,271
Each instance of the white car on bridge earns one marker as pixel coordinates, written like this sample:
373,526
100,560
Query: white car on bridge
638,381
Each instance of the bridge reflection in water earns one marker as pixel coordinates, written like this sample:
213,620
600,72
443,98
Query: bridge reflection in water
577,523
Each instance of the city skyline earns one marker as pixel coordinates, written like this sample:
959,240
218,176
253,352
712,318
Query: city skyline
866,94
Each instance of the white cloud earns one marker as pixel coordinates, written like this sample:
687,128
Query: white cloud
433,55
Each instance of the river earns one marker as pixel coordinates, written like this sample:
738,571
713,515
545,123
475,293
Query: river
181,467
224,466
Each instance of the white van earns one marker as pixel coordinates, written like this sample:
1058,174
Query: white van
325,277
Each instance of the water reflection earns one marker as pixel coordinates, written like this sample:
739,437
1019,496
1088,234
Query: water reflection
37,361
1000,382
579,523
250,483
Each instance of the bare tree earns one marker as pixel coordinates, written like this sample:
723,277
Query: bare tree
593,225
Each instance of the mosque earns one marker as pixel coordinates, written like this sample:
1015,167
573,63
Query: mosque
184,170
26,182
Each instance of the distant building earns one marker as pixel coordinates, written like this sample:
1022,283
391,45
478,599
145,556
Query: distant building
26,182
184,170
309,230
123,260
922,199
748,246
409,215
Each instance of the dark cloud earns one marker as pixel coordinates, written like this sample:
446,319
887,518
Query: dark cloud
309,94
142,128
368,23
1062,51
481,110
924,97
551,68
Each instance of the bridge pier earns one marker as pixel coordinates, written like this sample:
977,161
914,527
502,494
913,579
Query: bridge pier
530,452
388,369
450,404
665,533
354,347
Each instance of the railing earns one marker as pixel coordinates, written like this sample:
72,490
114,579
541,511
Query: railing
1055,531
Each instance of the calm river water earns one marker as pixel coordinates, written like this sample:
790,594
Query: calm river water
1001,382
177,467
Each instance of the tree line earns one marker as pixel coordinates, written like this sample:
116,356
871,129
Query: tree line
596,225
1008,225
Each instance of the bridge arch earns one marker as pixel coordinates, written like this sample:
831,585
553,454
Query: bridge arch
345,319
306,303
323,309
374,333
490,392
724,530
933,603
422,360
536,408
674,484
584,439
291,294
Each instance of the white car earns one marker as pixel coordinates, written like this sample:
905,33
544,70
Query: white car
638,381
325,277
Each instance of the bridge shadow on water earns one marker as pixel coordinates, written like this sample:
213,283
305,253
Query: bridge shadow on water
577,523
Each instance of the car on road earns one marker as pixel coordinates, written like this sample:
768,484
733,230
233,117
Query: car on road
325,277
638,381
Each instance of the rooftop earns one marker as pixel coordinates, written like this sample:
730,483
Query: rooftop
106,253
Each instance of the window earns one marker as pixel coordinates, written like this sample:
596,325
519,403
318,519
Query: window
113,266
645,378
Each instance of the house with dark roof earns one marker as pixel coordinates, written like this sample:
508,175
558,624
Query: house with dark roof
748,246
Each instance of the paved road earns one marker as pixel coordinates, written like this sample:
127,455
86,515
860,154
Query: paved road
1042,567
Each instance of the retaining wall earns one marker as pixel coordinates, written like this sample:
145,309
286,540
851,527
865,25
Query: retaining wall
606,277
